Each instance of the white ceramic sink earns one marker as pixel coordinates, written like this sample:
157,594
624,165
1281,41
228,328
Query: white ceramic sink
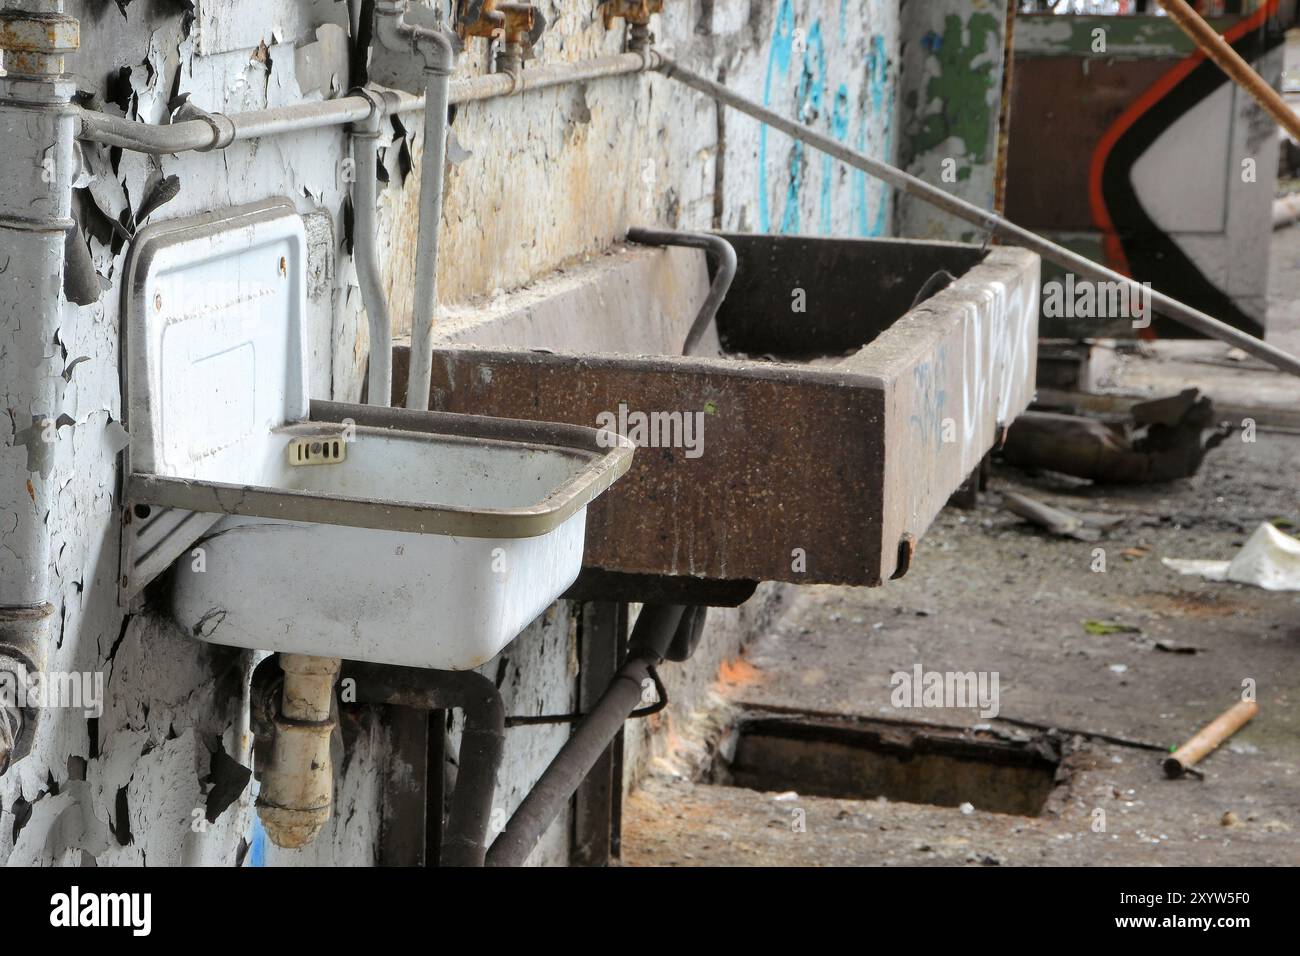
419,538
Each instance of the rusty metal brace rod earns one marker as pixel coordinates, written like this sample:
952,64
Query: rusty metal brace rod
1220,51
988,221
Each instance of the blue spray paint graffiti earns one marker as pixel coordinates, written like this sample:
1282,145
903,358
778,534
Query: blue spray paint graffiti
881,94
810,94
931,399
839,129
778,60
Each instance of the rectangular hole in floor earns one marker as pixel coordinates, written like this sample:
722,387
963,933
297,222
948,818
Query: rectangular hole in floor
863,760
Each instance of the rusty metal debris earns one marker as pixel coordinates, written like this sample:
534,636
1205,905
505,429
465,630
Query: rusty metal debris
1159,440
1059,521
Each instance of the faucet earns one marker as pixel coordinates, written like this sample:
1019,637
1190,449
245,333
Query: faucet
636,14
403,27
515,26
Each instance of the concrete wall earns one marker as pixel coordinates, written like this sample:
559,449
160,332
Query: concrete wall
1165,171
536,182
951,94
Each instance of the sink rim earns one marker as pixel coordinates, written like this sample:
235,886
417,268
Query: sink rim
606,463
953,358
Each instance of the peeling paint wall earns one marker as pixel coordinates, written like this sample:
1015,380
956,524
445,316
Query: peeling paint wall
951,89
833,67
534,182
615,153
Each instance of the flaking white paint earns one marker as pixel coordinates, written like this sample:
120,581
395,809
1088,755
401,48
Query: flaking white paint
552,178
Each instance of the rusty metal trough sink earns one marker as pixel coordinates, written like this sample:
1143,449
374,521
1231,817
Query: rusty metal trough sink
830,417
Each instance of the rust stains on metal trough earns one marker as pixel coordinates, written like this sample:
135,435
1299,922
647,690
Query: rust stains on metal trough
817,468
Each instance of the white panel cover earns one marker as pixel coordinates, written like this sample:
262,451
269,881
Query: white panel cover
215,355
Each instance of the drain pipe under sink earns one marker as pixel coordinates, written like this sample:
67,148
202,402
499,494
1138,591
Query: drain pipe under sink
464,842
297,790
649,645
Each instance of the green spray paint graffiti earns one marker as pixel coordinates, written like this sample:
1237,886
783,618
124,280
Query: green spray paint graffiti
961,87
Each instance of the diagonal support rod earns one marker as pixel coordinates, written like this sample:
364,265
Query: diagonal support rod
985,220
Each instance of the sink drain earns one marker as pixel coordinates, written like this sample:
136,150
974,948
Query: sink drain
863,760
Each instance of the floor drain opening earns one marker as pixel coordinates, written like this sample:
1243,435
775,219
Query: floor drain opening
864,760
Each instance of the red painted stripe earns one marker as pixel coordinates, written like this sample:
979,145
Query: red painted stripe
1149,97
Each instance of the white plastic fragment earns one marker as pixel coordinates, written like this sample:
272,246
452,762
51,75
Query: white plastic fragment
1269,559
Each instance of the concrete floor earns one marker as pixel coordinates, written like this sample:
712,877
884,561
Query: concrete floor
990,593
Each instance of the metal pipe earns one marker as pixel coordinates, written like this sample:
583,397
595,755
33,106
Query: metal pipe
651,637
425,304
482,741
224,129
988,221
297,792
432,42
493,85
1220,51
37,165
724,264
379,389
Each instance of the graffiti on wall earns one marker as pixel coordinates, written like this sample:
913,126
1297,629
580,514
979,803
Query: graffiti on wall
1129,215
797,75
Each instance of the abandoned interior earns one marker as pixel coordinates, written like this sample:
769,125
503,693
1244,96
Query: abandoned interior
649,433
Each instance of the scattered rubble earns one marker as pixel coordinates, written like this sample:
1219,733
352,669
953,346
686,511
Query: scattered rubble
1158,440
1269,559
1059,521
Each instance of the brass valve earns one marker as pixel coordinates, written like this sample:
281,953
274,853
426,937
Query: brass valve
636,12
511,23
